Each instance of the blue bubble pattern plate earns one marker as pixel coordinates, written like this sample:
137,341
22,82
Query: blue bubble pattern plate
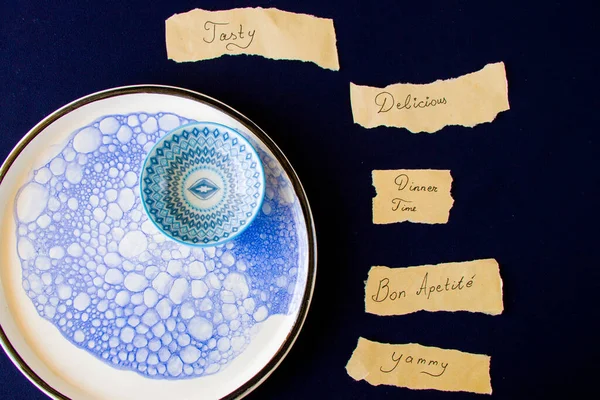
170,257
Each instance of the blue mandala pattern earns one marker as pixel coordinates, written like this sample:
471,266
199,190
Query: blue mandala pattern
97,269
180,162
204,188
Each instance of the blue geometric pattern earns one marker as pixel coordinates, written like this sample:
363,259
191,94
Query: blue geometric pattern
204,188
184,161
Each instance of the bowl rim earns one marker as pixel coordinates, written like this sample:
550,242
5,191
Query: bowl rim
286,346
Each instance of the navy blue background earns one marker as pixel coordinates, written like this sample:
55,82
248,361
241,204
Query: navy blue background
525,186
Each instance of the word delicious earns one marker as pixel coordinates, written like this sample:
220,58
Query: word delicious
385,101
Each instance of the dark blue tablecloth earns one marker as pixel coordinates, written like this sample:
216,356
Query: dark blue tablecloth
525,185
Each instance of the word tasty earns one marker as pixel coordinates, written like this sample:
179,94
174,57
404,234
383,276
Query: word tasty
385,101
428,366
238,39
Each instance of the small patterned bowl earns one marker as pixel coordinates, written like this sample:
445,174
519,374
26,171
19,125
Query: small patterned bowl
202,184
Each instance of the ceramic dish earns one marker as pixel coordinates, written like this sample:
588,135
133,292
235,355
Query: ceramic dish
96,289
202,184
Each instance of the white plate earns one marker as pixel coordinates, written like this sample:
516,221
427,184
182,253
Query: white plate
98,304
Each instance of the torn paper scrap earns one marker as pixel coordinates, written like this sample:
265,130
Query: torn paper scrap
415,366
468,100
413,195
473,286
271,33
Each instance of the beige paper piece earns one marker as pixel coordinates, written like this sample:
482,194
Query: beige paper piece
414,195
271,33
473,286
419,367
469,100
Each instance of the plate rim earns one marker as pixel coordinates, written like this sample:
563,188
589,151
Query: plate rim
291,337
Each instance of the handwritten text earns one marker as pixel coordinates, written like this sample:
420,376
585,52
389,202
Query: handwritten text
419,361
385,292
385,101
215,29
